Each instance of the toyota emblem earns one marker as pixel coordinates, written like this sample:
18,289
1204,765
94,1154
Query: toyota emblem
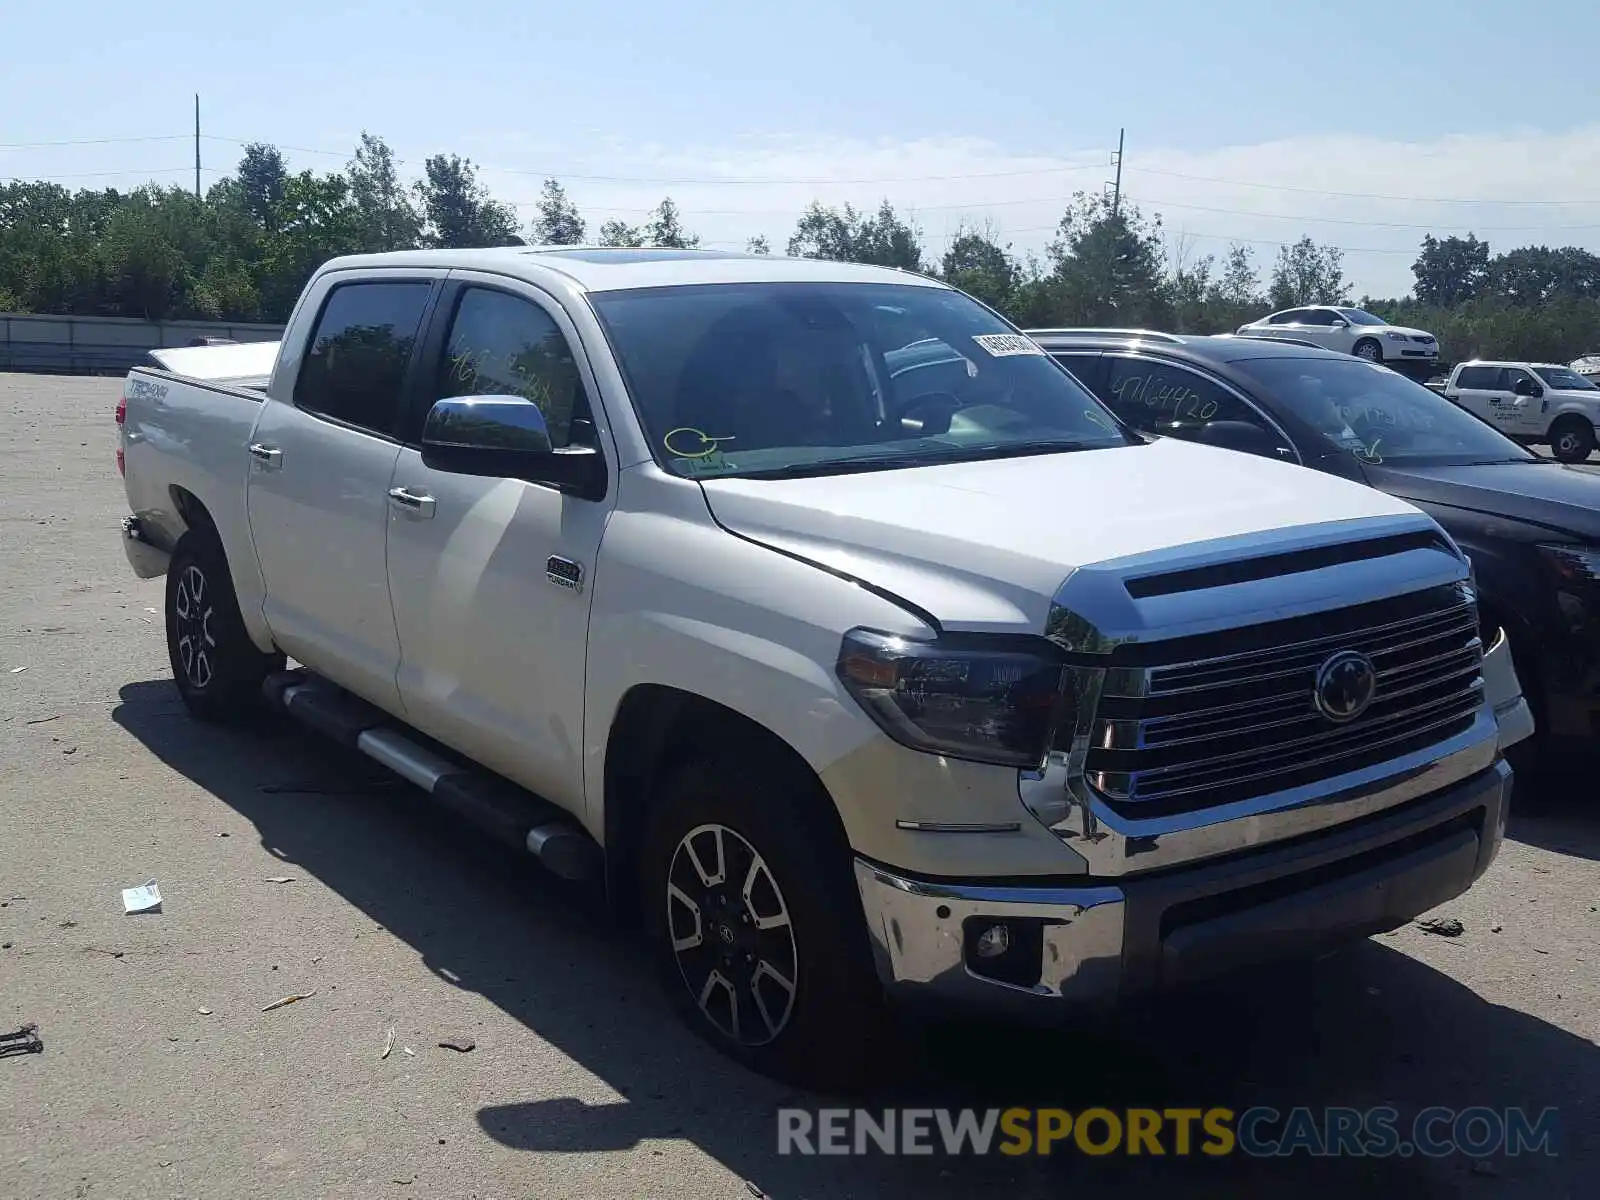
1346,684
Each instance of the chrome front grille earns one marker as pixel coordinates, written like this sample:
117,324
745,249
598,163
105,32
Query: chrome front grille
1205,721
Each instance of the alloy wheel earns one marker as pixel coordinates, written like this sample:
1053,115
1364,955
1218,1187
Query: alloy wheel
191,605
731,935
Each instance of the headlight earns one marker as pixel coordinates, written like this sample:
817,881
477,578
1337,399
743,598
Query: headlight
986,697
1396,337
1574,564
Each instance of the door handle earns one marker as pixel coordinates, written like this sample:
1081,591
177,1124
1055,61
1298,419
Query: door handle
418,504
270,457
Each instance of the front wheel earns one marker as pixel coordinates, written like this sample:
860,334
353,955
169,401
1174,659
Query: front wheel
1368,349
754,917
216,666
1572,440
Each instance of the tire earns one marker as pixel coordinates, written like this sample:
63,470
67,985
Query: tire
1572,439
216,666
1368,349
809,1007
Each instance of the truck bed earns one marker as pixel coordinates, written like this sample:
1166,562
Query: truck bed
185,444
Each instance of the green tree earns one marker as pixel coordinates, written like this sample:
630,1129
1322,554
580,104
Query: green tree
458,211
1533,275
386,219
557,222
663,227
1306,273
145,273
1450,270
619,233
846,235
1108,267
1191,288
758,245
976,263
261,180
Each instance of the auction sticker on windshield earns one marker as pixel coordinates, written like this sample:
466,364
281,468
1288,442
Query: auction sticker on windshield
1001,345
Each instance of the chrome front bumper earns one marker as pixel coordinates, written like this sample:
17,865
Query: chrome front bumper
1096,941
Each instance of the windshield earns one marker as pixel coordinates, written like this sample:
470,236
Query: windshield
1378,416
813,378
1358,316
1565,378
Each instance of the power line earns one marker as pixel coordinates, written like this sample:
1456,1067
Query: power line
1430,225
91,175
546,173
108,141
1284,187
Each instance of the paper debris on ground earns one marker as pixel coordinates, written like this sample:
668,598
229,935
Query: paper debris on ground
290,1000
204,1012
18,670
388,1043
143,899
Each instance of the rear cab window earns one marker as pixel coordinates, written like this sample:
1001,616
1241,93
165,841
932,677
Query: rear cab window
356,361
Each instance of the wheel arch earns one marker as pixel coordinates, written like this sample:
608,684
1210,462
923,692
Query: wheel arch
656,727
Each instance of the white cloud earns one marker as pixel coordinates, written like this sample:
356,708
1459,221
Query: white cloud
1371,196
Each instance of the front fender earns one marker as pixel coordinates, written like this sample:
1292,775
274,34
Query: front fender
681,603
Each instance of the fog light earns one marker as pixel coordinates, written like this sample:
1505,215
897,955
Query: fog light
993,942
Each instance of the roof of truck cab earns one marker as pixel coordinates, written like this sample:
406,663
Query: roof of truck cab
614,268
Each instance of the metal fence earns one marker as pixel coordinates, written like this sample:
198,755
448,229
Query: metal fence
105,345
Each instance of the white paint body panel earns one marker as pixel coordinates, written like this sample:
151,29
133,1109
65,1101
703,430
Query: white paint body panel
737,591
1523,416
985,545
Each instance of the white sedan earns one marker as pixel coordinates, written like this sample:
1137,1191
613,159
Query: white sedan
1350,331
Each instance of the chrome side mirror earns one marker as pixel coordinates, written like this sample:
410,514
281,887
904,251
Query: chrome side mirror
486,423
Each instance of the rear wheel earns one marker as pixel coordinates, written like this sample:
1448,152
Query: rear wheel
1572,439
752,911
216,666
1368,349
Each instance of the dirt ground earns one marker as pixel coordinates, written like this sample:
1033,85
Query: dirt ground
162,1076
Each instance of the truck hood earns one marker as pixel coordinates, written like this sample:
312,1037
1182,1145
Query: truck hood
986,545
1551,494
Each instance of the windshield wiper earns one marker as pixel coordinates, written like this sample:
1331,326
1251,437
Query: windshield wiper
890,462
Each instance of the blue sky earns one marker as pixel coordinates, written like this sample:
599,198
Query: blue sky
1361,125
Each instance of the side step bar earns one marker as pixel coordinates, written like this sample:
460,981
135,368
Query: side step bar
507,813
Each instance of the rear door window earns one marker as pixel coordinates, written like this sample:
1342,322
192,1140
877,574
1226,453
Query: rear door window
1478,379
359,351
1164,398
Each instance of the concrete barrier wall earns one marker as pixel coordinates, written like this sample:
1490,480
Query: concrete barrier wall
105,345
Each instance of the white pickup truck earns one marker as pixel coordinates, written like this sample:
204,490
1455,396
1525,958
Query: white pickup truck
862,650
1531,402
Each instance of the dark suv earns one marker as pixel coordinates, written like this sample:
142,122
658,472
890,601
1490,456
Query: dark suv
1530,525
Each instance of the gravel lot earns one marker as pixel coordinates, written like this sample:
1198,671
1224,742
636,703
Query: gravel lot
163,1077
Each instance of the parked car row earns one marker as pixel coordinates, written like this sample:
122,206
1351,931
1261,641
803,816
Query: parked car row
1530,526
855,644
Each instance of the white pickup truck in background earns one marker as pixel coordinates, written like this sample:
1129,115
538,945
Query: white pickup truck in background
864,652
1531,402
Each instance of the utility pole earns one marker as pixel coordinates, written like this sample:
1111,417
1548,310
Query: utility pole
1116,188
197,145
